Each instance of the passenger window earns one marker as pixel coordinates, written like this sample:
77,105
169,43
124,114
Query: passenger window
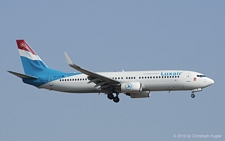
153,76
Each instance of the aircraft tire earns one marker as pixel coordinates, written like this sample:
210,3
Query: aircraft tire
192,95
116,99
110,96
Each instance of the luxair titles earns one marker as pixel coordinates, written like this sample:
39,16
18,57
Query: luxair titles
171,73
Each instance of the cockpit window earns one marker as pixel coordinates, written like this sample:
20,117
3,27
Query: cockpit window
200,75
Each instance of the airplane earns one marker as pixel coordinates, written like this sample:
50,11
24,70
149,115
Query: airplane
136,84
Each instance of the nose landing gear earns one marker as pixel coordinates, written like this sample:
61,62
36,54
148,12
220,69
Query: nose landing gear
195,90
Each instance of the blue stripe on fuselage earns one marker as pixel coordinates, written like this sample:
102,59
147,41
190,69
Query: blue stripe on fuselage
46,78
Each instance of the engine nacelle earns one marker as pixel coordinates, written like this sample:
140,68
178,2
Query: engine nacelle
131,87
143,94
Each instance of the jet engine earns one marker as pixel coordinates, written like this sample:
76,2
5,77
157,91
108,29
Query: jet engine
131,87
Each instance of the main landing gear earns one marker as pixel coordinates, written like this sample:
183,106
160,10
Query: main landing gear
116,99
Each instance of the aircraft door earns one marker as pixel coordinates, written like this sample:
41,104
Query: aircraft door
188,77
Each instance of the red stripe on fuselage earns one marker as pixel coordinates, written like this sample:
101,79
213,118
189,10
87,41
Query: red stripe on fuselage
24,46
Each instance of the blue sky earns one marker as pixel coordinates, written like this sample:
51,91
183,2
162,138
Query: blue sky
111,36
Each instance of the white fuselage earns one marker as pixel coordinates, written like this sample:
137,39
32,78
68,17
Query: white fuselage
163,80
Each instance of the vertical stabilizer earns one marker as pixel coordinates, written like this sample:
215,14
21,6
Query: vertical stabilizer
32,63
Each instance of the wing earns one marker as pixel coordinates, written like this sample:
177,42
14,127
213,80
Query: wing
100,80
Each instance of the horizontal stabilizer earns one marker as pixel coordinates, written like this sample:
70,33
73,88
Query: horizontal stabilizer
22,75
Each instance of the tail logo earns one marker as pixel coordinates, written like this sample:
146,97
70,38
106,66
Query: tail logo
24,46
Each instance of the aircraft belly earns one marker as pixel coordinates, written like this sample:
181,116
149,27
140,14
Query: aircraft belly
163,86
70,87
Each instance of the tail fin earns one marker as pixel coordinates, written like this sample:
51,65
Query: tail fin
32,63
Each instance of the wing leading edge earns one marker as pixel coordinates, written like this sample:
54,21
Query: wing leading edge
99,80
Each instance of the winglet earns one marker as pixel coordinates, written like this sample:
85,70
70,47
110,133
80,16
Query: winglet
71,64
69,61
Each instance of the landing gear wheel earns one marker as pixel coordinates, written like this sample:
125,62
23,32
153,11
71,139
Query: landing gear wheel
116,99
193,95
110,96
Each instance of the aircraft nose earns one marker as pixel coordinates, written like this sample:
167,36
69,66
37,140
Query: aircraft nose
207,82
211,81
